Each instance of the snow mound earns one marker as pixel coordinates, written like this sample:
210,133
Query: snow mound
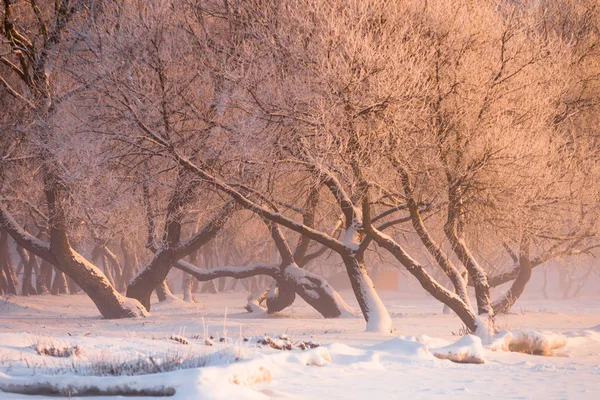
317,357
399,346
353,358
427,340
536,342
467,350
500,341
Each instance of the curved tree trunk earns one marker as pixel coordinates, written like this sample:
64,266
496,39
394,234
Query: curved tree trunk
156,270
60,253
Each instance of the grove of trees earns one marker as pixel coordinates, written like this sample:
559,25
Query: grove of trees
456,140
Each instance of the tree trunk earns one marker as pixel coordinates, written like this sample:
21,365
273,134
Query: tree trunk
27,284
504,304
476,272
59,285
27,260
44,278
115,266
9,277
187,281
545,285
187,286
107,269
3,282
72,286
209,287
130,261
163,292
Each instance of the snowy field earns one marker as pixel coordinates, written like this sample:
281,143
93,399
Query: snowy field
348,363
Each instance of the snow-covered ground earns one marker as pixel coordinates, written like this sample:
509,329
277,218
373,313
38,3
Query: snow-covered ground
349,363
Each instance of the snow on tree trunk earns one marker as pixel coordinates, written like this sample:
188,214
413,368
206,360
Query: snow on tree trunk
255,300
373,309
317,292
464,312
485,328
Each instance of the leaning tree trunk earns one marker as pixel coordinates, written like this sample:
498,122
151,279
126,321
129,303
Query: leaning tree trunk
3,282
60,253
439,292
155,272
89,278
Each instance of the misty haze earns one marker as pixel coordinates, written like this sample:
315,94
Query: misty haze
300,199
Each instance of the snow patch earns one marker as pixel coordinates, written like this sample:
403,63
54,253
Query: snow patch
500,341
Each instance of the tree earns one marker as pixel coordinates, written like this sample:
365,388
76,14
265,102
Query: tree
30,59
